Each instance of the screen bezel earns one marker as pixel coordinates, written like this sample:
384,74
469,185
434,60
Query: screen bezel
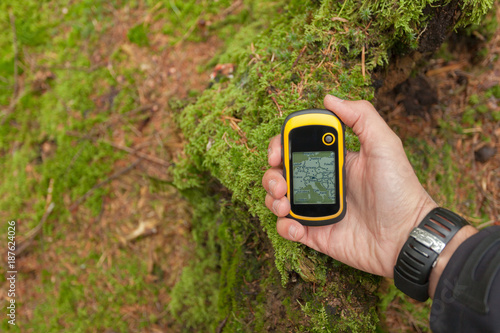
310,139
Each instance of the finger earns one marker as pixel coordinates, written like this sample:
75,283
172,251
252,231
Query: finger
274,151
274,183
291,229
280,207
362,117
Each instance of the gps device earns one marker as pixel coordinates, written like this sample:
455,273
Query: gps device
313,154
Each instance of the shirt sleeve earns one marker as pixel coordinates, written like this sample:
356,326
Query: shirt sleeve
467,297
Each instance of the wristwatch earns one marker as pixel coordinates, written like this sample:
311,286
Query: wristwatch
419,253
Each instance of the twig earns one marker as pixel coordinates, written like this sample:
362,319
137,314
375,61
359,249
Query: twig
90,69
472,130
35,231
341,19
49,207
445,69
230,9
138,110
279,108
299,56
221,325
16,52
139,154
486,224
104,182
224,136
190,30
175,9
363,68
270,92
342,9
15,95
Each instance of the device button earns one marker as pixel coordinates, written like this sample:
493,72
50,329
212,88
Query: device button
328,139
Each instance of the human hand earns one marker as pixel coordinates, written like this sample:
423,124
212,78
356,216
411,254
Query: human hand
385,200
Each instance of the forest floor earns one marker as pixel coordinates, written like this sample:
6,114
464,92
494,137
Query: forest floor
112,268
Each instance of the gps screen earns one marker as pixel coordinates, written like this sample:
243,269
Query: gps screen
314,177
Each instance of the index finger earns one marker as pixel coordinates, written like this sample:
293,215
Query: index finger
274,151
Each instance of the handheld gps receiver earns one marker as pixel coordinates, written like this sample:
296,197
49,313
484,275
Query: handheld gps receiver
313,154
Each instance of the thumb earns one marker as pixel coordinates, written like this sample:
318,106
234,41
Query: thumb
362,117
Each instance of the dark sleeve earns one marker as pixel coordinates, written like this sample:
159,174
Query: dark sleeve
467,297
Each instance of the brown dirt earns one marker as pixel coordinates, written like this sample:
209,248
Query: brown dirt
447,87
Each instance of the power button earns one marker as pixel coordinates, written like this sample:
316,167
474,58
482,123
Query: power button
328,139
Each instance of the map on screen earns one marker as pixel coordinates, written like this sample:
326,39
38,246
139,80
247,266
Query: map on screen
314,177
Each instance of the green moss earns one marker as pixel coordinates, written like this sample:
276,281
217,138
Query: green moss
493,91
496,115
125,286
138,35
473,99
469,116
342,304
482,108
473,12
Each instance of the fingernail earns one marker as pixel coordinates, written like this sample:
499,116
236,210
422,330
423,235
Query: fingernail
292,232
272,185
336,99
276,205
269,151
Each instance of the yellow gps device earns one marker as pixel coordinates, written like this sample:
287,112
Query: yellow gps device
313,151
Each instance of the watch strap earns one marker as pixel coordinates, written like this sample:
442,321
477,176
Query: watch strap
419,253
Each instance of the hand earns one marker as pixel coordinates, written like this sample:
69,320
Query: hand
385,200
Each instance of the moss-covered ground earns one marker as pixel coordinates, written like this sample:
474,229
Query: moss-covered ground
134,179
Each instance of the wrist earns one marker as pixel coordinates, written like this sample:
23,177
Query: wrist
446,255
425,244
420,212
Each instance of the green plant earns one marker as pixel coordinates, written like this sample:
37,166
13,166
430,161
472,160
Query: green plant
138,35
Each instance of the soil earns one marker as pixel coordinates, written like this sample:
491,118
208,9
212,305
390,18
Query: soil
443,19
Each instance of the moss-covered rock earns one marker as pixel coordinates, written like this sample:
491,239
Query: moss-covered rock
287,59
